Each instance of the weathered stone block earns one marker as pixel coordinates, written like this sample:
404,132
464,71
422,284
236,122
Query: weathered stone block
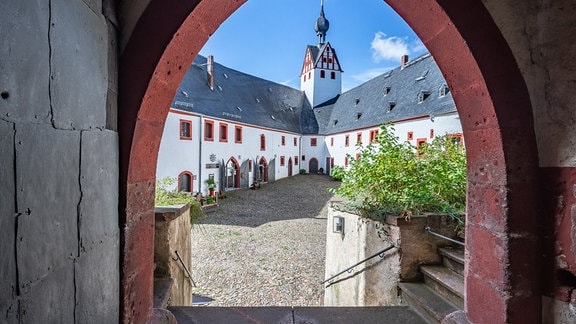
8,284
48,193
24,72
51,299
79,42
98,283
99,185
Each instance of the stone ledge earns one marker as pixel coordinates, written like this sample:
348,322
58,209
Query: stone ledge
170,213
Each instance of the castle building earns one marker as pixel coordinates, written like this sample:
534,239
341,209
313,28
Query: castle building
239,129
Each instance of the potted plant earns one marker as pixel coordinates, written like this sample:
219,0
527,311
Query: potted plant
211,185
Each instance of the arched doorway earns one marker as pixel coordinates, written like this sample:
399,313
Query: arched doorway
496,116
262,173
232,174
185,181
313,165
290,167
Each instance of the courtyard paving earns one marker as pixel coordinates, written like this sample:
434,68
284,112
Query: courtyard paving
264,247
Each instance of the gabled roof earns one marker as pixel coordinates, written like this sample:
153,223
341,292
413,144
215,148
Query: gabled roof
370,104
316,53
240,97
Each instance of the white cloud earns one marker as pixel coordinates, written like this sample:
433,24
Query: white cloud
388,48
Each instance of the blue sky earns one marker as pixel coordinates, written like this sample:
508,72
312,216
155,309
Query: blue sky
268,38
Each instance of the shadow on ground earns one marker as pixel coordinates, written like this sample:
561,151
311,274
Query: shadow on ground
300,196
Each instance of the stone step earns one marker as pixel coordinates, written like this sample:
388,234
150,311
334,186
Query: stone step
446,282
425,301
295,315
453,258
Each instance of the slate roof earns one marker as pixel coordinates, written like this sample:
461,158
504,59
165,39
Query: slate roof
368,105
240,97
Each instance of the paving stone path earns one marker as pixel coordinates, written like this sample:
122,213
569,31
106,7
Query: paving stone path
264,247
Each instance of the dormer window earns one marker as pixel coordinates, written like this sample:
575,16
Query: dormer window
391,105
423,95
357,101
225,76
443,90
358,115
387,90
335,122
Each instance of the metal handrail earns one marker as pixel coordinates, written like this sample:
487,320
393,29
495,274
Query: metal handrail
349,269
429,230
178,258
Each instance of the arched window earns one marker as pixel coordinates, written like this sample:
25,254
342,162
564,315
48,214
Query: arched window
332,75
322,74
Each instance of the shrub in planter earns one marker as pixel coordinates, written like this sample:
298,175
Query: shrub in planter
391,177
165,197
337,173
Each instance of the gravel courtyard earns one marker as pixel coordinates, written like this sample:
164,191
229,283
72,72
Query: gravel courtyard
264,247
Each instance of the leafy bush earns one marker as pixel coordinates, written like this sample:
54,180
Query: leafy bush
396,178
302,171
337,173
165,197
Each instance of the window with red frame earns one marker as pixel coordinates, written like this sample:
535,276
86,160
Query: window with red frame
419,143
262,142
346,161
238,134
223,132
373,135
283,140
431,132
332,141
296,160
332,162
208,130
295,141
185,129
357,156
347,140
282,160
313,141
410,136
359,139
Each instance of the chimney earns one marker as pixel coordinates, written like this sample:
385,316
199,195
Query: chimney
404,61
210,69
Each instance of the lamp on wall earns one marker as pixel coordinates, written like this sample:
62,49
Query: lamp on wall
338,224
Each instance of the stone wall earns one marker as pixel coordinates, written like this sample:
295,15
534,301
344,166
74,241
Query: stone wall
172,239
374,283
59,157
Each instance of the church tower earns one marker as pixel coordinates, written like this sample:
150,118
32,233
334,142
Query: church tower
321,76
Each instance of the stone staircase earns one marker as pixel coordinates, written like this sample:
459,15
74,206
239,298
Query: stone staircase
442,291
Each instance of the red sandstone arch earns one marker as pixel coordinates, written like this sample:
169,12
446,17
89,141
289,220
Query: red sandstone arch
495,111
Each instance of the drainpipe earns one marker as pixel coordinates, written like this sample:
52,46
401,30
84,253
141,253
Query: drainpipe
200,153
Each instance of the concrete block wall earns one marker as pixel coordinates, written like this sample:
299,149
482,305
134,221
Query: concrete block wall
375,282
171,236
59,175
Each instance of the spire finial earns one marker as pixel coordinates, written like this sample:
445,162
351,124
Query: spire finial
322,25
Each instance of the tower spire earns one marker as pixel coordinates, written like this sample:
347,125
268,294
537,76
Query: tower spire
321,26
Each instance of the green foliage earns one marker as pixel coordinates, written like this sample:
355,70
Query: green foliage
337,173
165,197
302,171
394,178
211,184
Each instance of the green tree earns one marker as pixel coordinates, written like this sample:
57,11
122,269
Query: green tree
391,177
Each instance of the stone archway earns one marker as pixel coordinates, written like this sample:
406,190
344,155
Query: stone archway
232,174
495,111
